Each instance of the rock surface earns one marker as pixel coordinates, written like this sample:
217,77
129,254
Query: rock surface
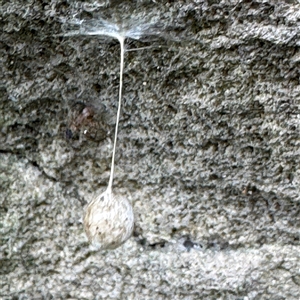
208,150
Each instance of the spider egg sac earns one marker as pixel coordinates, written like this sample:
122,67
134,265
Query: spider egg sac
108,221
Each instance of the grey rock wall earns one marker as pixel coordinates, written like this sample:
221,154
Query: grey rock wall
208,150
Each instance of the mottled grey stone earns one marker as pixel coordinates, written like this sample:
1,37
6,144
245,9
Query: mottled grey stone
208,150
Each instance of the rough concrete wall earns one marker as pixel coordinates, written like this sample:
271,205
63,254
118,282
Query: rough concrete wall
208,151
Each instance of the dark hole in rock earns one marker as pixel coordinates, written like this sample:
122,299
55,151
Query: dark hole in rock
188,245
157,245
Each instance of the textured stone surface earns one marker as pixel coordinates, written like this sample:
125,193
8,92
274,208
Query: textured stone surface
208,150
